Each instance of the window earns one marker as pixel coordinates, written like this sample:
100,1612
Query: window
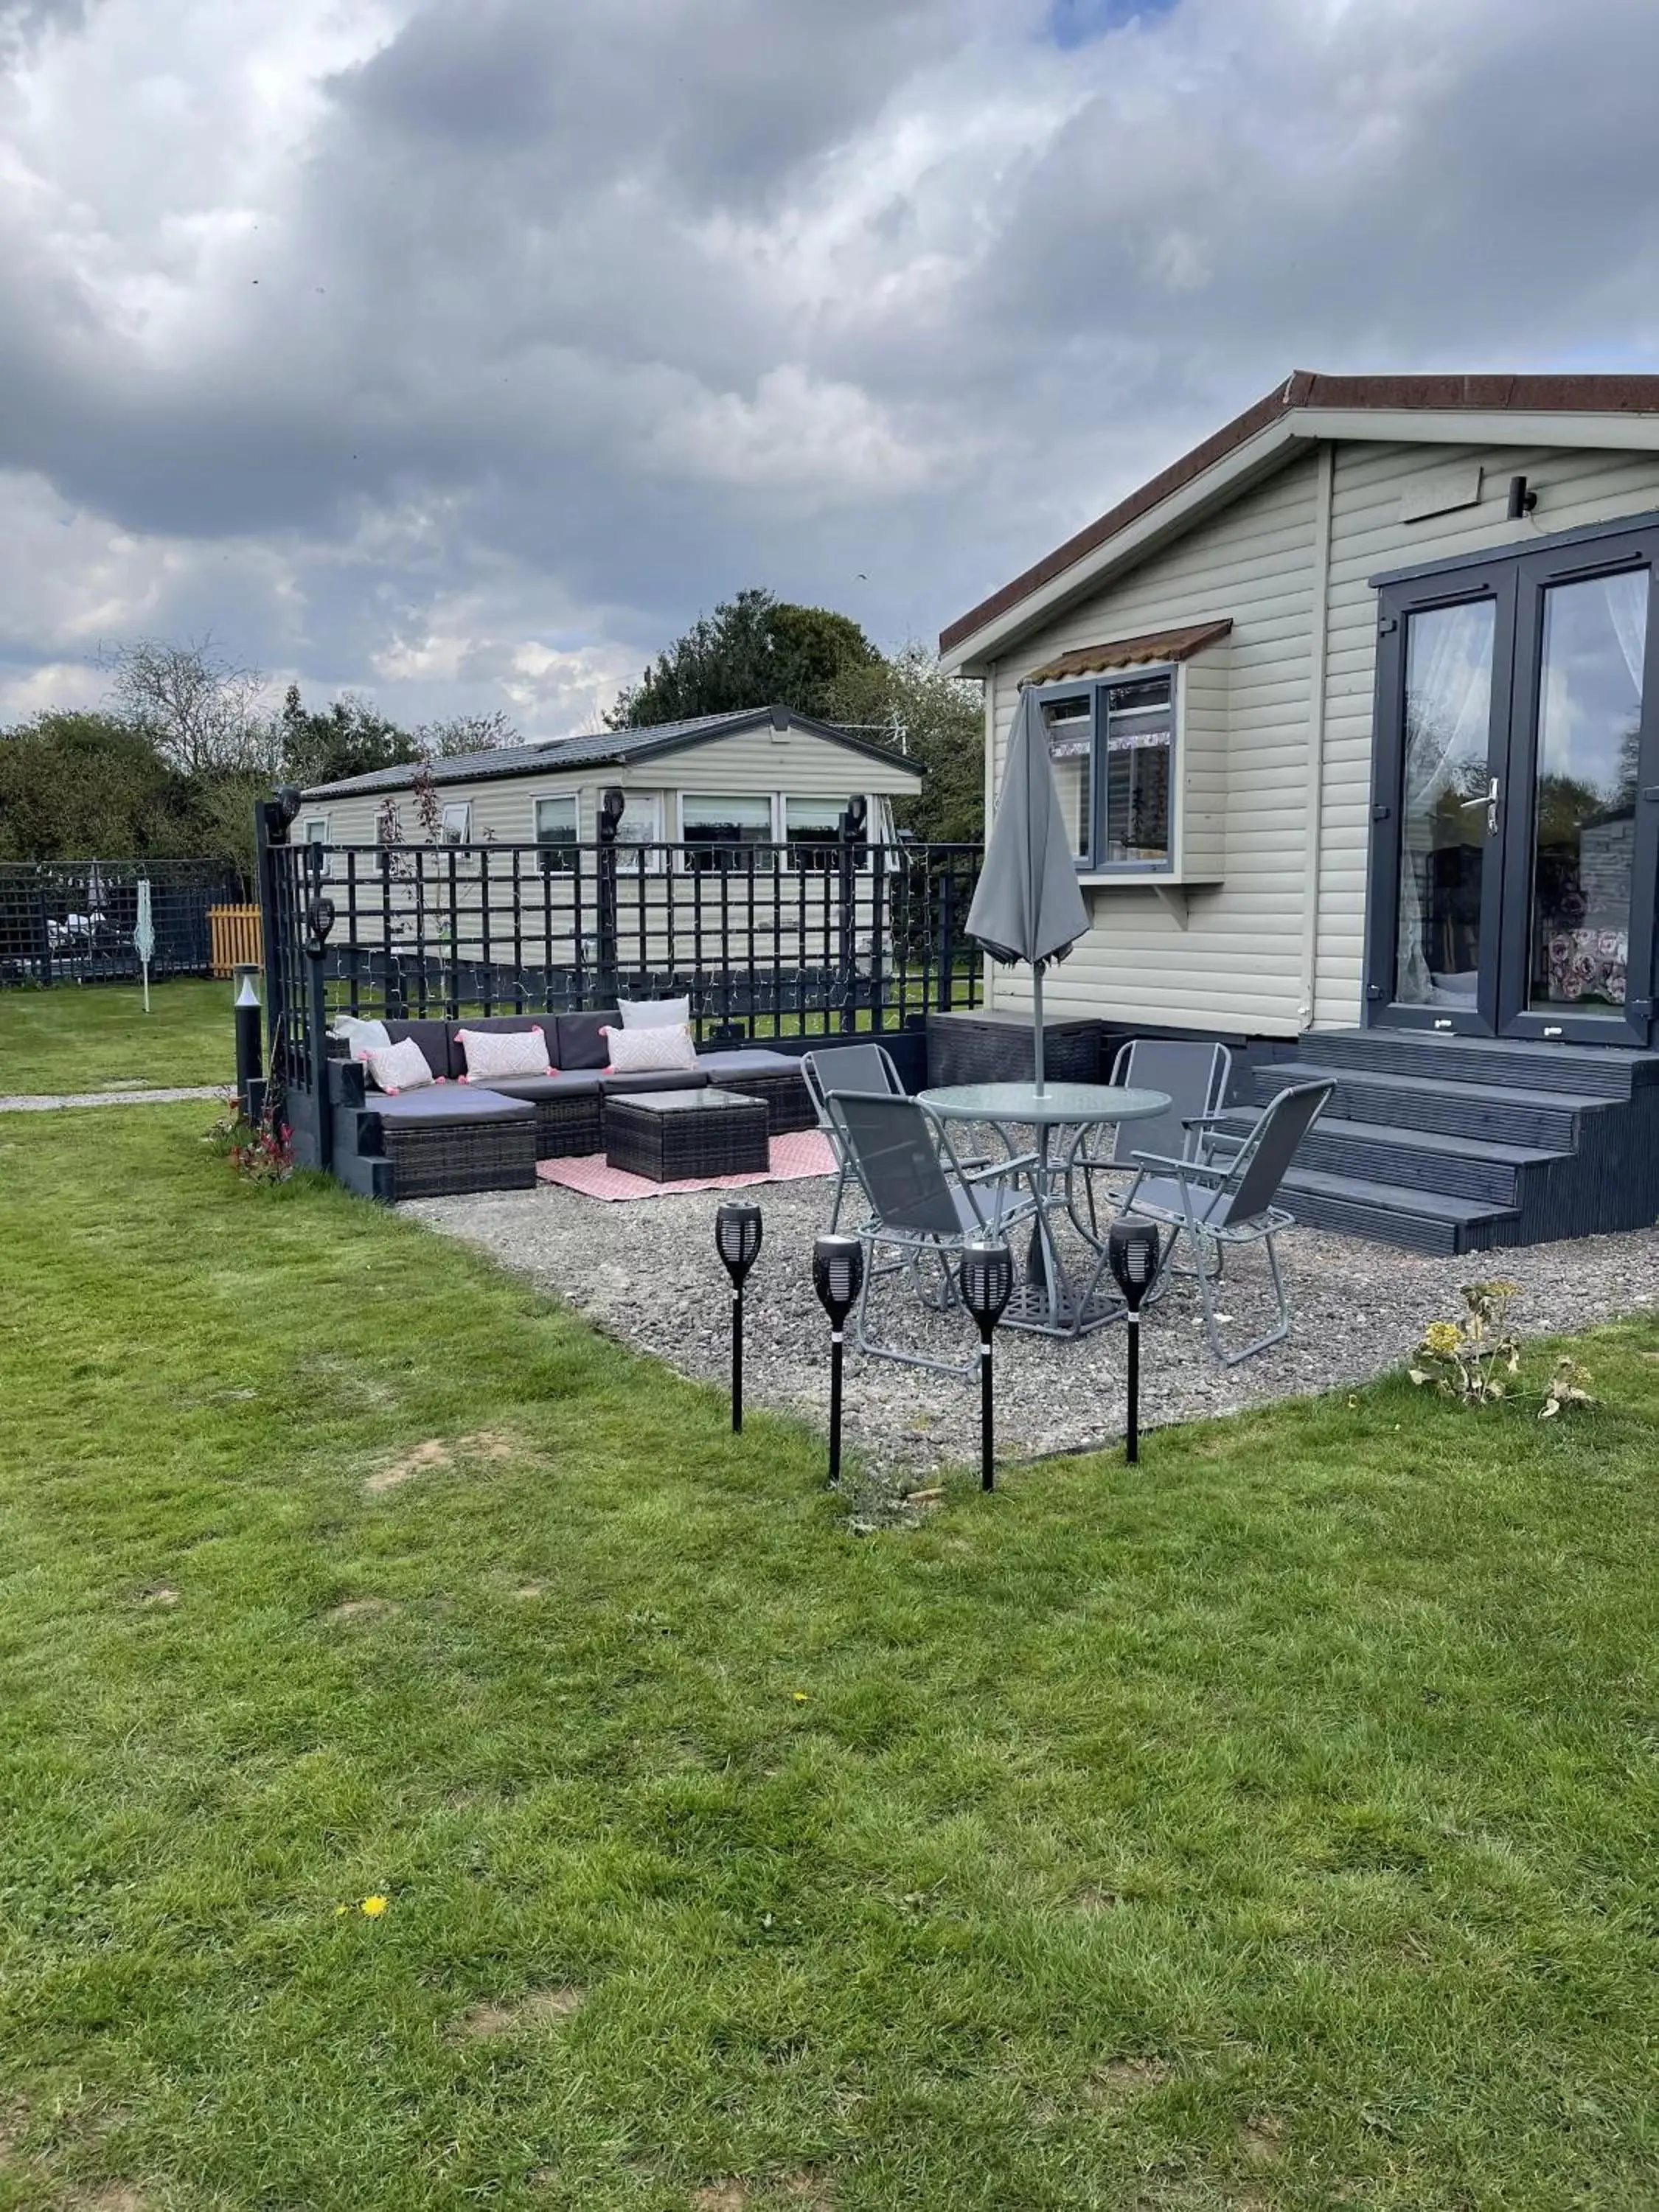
455,823
1071,726
557,833
317,834
811,830
716,831
1112,748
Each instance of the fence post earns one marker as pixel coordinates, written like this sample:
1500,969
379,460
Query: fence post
947,954
852,828
611,814
46,937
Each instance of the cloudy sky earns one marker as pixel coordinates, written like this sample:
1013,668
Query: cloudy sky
461,351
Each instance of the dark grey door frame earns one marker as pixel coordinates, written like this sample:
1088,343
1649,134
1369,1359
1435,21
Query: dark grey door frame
1397,604
1515,579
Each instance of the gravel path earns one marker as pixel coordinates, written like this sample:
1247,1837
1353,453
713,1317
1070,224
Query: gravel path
33,1102
646,1272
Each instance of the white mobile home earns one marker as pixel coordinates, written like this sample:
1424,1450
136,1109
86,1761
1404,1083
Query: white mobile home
1356,710
729,852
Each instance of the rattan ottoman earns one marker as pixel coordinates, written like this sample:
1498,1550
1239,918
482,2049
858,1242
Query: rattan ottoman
674,1136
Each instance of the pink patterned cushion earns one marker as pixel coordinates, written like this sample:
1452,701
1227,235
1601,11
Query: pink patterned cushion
503,1052
636,1052
396,1067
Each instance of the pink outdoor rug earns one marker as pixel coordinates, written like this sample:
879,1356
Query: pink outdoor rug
805,1152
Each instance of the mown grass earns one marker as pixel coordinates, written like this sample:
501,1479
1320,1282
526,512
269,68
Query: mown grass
87,1036
1271,1827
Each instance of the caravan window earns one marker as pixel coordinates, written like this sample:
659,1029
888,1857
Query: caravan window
1113,747
715,830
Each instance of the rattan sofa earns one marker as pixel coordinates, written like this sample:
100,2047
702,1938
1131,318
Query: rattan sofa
437,1147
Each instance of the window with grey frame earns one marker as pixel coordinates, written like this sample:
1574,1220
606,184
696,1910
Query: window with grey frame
1112,744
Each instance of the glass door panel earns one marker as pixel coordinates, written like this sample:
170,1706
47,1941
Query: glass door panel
1586,777
1447,813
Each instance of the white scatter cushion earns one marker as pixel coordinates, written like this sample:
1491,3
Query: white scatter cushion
655,1014
396,1067
503,1052
635,1052
360,1036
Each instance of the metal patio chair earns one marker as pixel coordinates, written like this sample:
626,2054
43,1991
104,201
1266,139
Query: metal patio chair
1193,1074
1225,1204
924,1202
863,1067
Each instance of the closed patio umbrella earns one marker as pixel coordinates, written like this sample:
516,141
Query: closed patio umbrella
1027,905
143,935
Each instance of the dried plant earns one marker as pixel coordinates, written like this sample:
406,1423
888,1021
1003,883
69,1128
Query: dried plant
1475,1360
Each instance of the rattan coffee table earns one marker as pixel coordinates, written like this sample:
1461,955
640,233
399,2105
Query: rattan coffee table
676,1136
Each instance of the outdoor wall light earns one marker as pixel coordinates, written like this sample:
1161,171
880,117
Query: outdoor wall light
986,1273
738,1241
612,806
837,1277
320,920
1134,1252
287,800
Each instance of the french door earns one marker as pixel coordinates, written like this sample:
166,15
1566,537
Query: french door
1515,831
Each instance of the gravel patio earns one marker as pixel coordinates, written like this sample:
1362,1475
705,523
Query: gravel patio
646,1272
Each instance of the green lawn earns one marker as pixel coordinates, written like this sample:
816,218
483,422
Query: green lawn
87,1036
1271,1827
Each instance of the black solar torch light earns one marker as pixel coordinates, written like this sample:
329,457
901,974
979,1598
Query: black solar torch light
1133,1253
738,1241
987,1276
837,1277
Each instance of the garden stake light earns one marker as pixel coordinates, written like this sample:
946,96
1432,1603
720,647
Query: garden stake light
248,1058
986,1275
837,1277
1132,1251
738,1241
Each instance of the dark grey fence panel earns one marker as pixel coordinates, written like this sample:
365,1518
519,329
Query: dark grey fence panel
72,921
766,941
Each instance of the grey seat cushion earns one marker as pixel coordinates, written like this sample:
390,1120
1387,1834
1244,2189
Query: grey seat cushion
581,1082
747,1060
453,1102
653,1078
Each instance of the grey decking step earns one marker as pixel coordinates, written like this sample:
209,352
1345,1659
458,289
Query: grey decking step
1436,1205
1423,1159
1500,1112
1391,1213
1608,1071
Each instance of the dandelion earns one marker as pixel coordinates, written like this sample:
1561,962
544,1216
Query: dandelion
1443,1338
372,1907
800,1697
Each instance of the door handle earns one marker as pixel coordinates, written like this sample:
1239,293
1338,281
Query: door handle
1489,799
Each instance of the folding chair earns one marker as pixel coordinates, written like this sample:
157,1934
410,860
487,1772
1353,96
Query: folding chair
864,1067
1194,1075
1230,1203
924,1202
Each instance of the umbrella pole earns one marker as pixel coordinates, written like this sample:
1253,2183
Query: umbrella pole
146,987
1037,1017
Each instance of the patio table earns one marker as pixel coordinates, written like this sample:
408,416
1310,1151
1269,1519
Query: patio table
1049,1301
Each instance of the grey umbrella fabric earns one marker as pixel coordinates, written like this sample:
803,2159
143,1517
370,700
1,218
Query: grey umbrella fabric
1027,905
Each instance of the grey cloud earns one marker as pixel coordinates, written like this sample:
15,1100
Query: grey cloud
563,323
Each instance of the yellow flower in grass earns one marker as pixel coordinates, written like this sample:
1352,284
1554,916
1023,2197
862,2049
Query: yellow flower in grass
800,1697
372,1907
1443,1338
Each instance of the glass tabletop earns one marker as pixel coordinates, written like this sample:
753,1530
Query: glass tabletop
1056,1103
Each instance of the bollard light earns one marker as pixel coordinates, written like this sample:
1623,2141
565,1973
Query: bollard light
246,1006
738,1241
837,1277
986,1273
1133,1253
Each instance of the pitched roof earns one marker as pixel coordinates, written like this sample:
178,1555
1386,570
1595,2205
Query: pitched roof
1306,390
604,749
1125,651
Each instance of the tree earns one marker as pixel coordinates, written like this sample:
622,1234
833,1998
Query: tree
76,786
202,713
907,700
465,733
348,736
753,651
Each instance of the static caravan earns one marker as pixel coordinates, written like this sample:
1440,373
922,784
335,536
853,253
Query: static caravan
1355,711
756,843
